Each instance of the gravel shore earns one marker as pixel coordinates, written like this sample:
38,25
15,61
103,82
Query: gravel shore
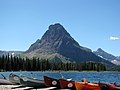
18,87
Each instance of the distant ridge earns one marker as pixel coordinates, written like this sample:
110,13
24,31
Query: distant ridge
10,52
101,53
58,43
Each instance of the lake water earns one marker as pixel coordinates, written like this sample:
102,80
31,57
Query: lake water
107,77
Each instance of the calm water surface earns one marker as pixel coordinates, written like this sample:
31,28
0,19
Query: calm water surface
108,77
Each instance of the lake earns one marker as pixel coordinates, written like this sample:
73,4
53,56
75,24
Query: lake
108,77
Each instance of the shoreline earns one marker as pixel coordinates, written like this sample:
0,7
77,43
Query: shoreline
18,87
59,71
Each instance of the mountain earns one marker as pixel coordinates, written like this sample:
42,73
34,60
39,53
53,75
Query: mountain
58,43
101,53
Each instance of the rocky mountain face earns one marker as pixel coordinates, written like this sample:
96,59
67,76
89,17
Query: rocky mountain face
101,53
118,57
58,42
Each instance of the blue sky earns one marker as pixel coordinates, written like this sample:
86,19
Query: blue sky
92,23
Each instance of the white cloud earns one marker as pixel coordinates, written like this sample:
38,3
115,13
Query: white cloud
114,38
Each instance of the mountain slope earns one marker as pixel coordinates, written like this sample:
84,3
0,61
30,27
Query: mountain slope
107,56
57,40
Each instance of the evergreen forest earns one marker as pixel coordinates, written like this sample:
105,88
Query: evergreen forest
10,63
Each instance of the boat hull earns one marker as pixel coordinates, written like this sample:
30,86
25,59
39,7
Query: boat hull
30,82
64,84
86,86
14,78
51,82
105,86
5,82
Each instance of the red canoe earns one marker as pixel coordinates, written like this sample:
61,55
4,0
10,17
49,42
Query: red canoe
51,82
105,86
64,84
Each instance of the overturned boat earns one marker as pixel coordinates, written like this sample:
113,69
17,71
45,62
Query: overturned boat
105,86
67,84
51,82
5,82
14,78
31,82
26,81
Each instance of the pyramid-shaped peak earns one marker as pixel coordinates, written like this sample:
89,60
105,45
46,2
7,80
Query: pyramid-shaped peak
57,40
56,26
56,31
99,49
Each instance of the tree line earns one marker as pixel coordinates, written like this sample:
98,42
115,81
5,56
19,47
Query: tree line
15,63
